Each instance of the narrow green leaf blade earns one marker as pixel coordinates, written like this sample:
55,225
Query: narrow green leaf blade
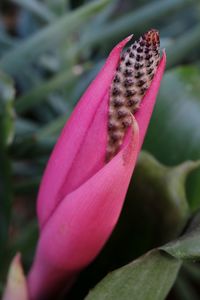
49,37
176,115
42,90
37,8
129,23
181,48
188,245
6,134
7,94
150,277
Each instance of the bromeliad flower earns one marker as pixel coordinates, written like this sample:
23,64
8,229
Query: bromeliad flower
87,176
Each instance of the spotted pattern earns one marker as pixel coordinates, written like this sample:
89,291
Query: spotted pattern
133,77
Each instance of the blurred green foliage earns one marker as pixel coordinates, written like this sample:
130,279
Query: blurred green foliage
50,50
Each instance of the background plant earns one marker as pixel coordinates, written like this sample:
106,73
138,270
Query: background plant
49,52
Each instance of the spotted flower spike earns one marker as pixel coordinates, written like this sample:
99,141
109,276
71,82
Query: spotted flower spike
133,78
87,176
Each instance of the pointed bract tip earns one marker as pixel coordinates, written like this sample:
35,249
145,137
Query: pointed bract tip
123,42
16,287
128,38
164,54
134,125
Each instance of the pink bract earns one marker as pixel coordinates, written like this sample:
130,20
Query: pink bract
81,196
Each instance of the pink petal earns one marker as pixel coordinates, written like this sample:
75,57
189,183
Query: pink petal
16,287
82,144
83,222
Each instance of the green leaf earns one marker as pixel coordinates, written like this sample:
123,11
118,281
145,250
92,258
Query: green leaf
24,127
161,190
182,46
52,128
173,136
129,23
58,6
157,195
6,134
40,92
185,290
37,8
31,148
155,211
150,277
26,186
25,241
7,93
6,42
49,37
188,245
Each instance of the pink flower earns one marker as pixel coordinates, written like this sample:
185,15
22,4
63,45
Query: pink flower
81,195
16,287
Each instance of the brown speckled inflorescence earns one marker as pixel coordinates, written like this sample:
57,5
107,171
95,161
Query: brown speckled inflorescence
133,77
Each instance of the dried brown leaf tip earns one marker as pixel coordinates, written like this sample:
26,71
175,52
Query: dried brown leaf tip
133,77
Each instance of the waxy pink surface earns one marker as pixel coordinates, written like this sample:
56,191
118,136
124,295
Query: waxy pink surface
80,150
81,196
